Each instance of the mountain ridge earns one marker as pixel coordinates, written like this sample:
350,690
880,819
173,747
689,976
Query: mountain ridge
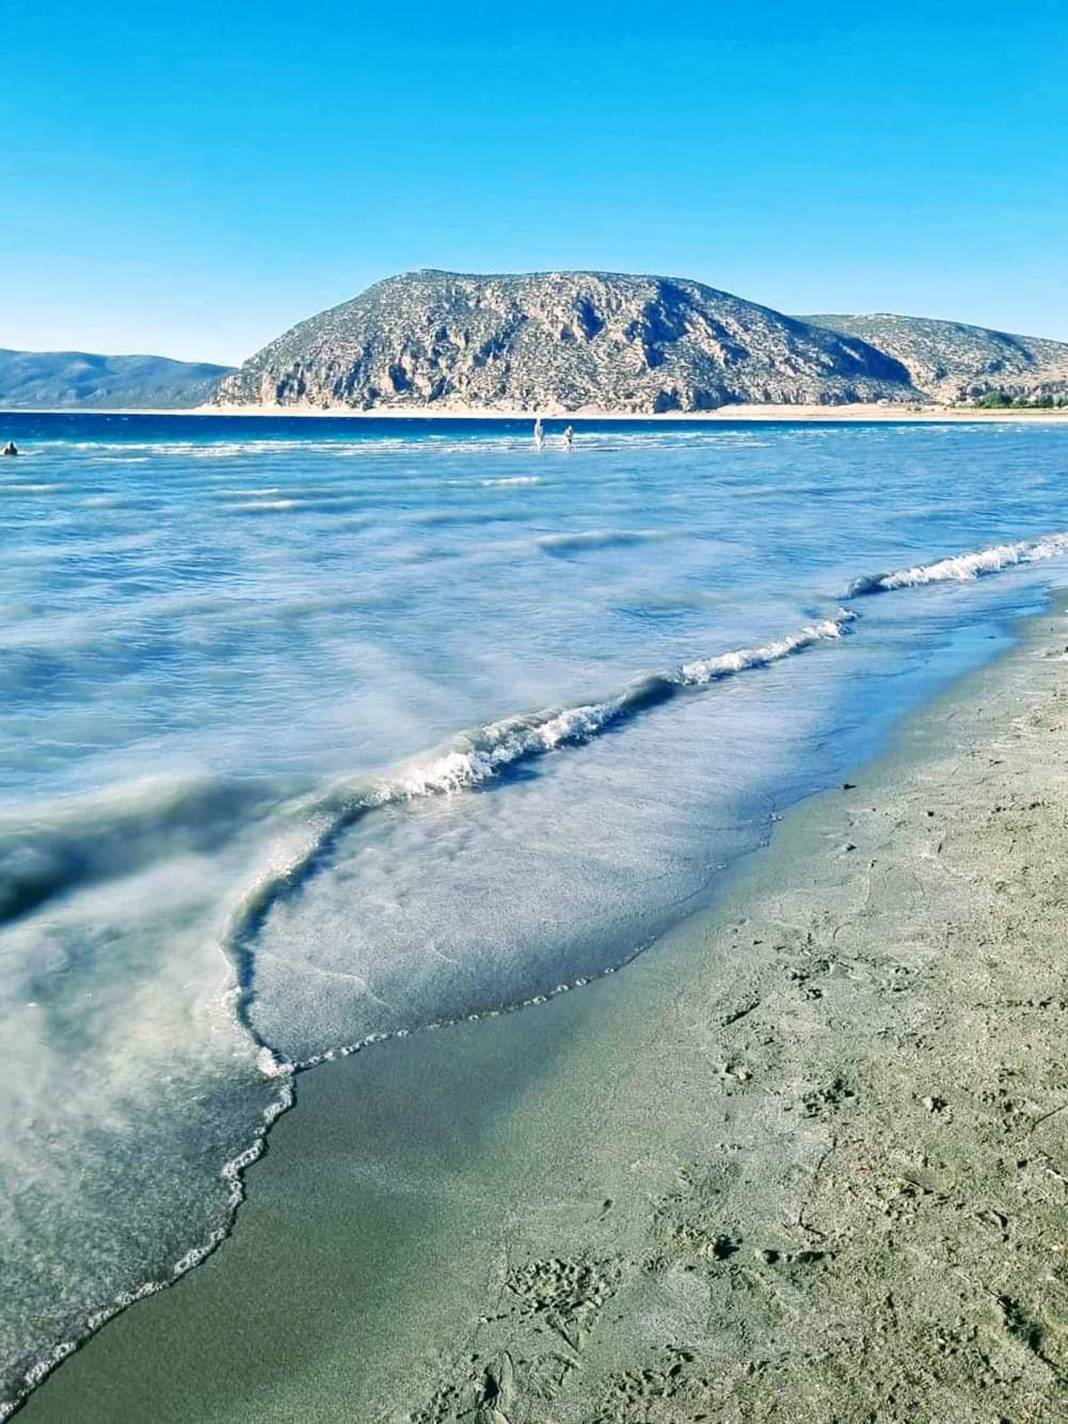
85,380
955,360
628,343
435,341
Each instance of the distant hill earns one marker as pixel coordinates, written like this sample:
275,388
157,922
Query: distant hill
951,361
559,341
76,380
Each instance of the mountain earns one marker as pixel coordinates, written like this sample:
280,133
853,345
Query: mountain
61,380
951,361
559,341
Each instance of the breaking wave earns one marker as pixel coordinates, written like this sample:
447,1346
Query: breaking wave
478,756
961,568
470,761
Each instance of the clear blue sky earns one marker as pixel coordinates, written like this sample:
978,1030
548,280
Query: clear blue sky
191,179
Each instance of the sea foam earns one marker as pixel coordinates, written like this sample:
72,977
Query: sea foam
961,568
477,756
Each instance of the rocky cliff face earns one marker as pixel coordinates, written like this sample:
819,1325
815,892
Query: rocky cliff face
81,380
559,341
951,361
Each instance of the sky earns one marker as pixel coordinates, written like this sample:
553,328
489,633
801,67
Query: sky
191,180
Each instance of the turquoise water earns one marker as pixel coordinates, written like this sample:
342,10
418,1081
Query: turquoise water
317,730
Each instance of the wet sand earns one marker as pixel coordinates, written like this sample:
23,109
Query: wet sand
804,1160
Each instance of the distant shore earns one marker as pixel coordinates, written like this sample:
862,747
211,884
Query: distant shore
807,1153
837,413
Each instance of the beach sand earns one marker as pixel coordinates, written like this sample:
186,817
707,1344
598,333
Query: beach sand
836,413
857,412
806,1159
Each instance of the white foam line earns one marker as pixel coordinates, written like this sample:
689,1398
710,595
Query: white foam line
478,756
233,1173
709,669
962,568
347,1050
263,505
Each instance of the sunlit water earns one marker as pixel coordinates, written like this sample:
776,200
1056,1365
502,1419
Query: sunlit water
317,730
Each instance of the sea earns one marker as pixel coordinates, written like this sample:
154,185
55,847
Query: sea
319,731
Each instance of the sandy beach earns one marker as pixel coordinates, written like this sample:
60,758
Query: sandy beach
836,413
805,1159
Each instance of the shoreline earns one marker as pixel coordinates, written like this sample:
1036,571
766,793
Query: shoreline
843,414
714,1086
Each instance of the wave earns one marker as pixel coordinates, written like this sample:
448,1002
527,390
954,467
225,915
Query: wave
961,568
473,759
49,851
115,501
601,539
705,670
258,492
478,756
265,506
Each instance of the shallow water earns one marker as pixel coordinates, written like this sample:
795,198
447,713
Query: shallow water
318,730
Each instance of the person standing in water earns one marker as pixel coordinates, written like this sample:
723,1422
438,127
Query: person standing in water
11,448
539,433
569,436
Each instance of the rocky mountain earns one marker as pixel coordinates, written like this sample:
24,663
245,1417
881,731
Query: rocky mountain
559,341
62,380
951,361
